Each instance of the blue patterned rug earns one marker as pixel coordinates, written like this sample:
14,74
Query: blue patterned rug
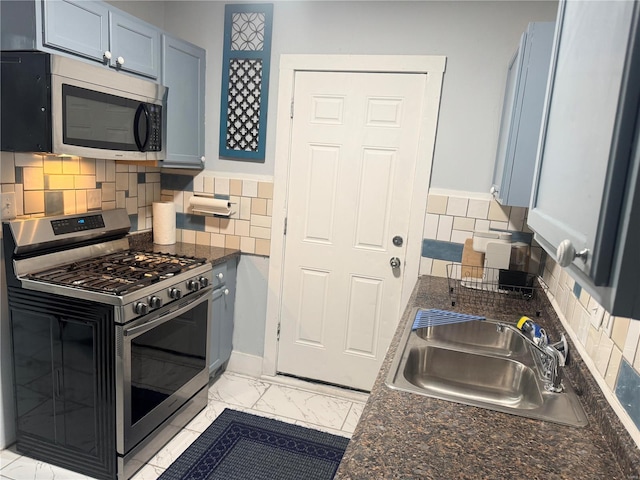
241,446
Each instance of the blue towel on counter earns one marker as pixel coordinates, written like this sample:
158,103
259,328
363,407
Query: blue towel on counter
434,317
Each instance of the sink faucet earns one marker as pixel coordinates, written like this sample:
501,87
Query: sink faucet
552,359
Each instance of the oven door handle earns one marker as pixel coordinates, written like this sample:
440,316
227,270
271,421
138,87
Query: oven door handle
168,315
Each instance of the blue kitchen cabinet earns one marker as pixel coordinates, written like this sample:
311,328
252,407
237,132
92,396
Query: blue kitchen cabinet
585,208
221,331
91,30
522,116
183,71
135,43
76,26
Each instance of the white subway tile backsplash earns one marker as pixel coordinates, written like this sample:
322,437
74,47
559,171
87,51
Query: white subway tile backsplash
101,174
249,188
431,226
603,353
445,226
478,208
631,341
28,160
208,184
517,218
460,236
496,225
457,206
613,368
33,178
221,186
425,265
482,225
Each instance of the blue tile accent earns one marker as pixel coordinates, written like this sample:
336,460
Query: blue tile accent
577,290
174,181
142,178
628,391
188,221
133,219
449,251
19,175
220,196
98,185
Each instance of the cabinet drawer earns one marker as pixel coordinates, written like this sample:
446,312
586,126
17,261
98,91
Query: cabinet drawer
219,275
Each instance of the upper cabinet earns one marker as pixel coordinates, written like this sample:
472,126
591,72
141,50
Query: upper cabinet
183,71
585,208
522,116
92,30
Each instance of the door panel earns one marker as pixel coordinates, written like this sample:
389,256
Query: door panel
353,153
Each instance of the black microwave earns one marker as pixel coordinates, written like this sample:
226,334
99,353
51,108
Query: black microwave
55,104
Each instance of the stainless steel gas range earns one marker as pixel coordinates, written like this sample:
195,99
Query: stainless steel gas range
109,345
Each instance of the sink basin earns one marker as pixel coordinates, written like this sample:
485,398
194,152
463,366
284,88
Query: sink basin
482,378
474,364
477,336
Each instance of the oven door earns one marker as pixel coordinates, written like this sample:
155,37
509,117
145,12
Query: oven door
161,363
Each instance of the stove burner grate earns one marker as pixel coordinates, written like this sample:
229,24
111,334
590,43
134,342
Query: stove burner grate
118,273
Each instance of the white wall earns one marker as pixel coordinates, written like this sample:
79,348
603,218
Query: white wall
477,37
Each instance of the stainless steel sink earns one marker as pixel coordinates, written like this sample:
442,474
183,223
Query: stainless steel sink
474,364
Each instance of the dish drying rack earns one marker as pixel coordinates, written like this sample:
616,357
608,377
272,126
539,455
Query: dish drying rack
484,286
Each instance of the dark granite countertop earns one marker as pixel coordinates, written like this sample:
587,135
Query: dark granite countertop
216,255
403,435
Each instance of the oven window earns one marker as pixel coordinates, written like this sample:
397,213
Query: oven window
166,358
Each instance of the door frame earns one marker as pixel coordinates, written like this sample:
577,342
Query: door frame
431,65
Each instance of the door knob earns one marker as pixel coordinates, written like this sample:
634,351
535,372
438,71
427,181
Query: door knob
566,253
394,262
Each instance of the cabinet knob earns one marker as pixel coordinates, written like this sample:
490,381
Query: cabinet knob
226,291
202,159
493,190
107,55
120,61
566,253
220,276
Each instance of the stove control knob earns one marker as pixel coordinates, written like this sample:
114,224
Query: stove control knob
175,293
155,302
204,281
193,285
141,308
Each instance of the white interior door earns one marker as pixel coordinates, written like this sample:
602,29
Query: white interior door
353,151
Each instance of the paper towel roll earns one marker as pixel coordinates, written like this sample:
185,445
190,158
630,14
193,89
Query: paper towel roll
164,223
213,206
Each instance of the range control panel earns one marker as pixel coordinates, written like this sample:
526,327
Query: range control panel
77,224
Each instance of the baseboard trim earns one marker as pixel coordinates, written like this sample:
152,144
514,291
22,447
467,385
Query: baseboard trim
245,364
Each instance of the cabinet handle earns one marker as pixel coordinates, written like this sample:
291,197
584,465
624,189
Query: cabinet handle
566,253
58,385
120,61
107,55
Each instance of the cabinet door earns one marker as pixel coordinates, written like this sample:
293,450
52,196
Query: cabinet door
580,176
183,71
35,381
76,26
136,43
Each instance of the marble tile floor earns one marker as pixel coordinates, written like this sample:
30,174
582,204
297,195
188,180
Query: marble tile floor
320,407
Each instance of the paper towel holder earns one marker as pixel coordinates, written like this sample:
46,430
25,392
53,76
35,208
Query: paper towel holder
208,204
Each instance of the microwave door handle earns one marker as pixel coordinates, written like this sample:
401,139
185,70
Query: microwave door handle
142,108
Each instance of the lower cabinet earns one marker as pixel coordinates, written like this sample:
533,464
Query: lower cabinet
63,380
221,330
